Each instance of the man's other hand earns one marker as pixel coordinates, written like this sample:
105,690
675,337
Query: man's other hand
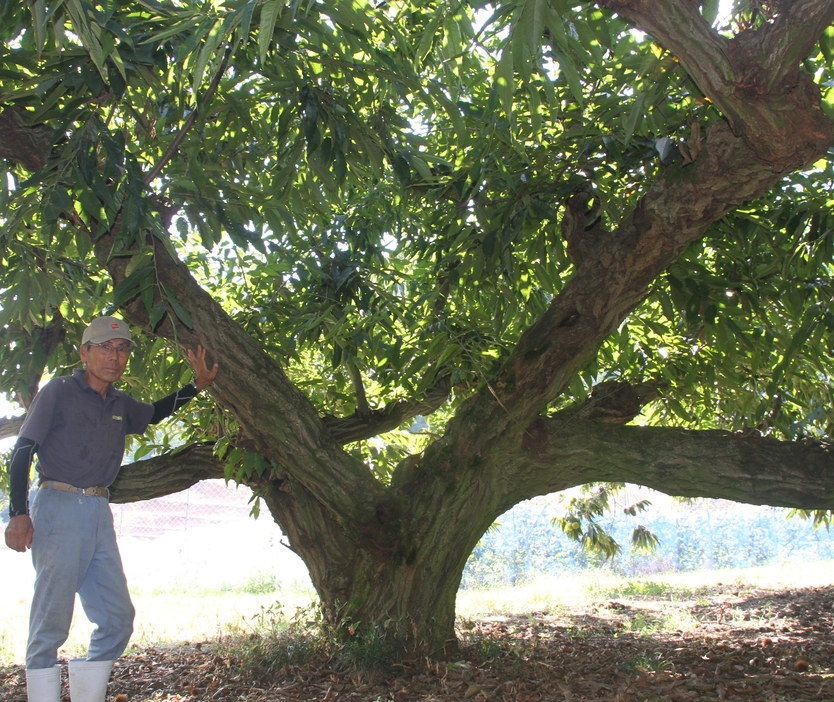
19,533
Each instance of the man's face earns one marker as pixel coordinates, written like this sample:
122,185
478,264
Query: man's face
106,362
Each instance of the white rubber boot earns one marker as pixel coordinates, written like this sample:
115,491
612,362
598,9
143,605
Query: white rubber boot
88,679
44,684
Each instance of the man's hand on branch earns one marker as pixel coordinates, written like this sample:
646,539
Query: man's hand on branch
203,377
19,532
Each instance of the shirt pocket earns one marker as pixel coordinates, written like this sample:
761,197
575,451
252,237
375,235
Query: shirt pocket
114,427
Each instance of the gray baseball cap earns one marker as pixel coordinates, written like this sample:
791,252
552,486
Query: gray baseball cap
106,328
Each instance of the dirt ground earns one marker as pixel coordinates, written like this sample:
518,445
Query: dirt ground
758,645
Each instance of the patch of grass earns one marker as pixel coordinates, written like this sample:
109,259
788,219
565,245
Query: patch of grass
577,633
643,624
484,647
680,620
258,583
646,661
172,615
261,584
6,647
367,649
549,593
644,589
271,644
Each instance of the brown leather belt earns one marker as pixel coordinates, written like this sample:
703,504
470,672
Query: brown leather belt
66,487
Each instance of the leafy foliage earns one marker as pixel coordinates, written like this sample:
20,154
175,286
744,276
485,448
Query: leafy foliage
373,192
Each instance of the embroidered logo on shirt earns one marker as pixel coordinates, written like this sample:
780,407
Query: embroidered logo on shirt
117,417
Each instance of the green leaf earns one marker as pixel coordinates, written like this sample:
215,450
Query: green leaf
270,12
504,81
452,110
157,313
87,33
422,167
710,9
130,286
58,202
635,116
217,33
246,21
182,313
140,260
183,26
430,35
797,340
38,10
535,106
527,34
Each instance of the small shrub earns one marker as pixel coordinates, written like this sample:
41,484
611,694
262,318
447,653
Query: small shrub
274,645
366,649
484,647
261,584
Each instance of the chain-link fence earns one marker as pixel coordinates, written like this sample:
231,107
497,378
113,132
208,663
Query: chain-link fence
208,503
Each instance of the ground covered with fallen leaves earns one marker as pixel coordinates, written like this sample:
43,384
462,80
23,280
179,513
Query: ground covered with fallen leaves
717,643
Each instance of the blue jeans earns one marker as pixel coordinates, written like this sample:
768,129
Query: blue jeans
74,550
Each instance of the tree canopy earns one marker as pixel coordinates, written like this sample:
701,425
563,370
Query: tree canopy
449,255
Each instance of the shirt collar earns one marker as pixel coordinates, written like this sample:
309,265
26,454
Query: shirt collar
79,376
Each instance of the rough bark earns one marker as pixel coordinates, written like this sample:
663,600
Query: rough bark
166,474
400,583
28,145
743,467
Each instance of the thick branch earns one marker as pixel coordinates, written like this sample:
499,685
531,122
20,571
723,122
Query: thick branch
607,286
364,425
280,421
754,78
559,454
793,35
613,402
166,474
10,426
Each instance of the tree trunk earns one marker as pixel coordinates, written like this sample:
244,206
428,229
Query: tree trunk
399,579
369,589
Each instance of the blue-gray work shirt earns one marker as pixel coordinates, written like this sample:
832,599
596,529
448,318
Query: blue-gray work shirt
80,435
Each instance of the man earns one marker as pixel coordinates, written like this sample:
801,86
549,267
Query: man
77,425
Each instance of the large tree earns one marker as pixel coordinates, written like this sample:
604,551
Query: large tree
445,254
